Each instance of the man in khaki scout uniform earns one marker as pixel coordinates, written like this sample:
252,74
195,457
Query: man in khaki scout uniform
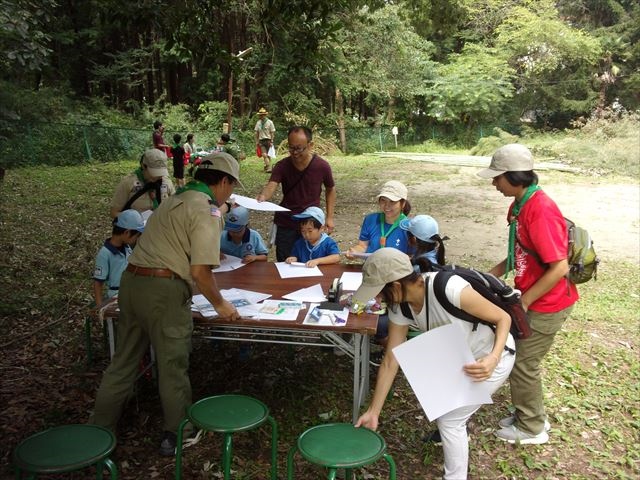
152,170
180,244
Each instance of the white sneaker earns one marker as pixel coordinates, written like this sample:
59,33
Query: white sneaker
508,421
513,435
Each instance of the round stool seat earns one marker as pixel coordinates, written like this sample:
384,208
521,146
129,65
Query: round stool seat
64,449
228,413
341,445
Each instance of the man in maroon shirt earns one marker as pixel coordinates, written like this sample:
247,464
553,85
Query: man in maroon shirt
302,175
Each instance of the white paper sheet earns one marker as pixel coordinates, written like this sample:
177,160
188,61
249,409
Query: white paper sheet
309,294
328,318
362,255
432,363
253,204
351,281
246,302
289,271
229,263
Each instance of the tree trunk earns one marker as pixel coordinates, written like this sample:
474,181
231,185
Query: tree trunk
340,112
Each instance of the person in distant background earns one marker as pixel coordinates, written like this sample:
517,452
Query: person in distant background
229,145
178,160
190,146
265,135
146,187
158,140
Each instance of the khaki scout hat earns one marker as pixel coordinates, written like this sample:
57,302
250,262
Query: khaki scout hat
263,111
385,265
156,162
222,162
394,191
509,158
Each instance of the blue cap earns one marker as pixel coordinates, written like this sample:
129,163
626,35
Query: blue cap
130,220
311,212
422,227
236,219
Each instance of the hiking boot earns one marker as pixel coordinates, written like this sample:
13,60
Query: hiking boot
168,444
514,435
508,421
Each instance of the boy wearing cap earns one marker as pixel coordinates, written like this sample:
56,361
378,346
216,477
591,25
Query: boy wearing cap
239,240
112,257
315,247
179,248
146,187
537,251
424,239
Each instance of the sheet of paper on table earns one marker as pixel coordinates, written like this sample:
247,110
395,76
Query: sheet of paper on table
326,318
279,310
432,363
363,255
309,294
292,271
351,281
245,301
229,263
253,204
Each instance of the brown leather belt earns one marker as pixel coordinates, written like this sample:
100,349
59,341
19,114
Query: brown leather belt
152,272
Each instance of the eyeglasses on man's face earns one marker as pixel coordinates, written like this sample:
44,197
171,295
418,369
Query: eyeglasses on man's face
298,149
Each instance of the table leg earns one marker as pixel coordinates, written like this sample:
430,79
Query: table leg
360,372
112,337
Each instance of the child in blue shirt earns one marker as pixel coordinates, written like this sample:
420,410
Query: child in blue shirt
113,256
425,239
239,240
315,247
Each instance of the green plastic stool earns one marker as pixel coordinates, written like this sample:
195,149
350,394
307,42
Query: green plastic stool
66,449
340,445
228,414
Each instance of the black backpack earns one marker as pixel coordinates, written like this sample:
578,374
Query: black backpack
487,285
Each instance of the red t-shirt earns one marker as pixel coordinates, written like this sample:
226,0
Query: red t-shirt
300,189
542,228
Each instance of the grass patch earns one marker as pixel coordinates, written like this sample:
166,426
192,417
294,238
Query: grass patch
53,222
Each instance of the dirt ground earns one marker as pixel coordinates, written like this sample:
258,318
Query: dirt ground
473,214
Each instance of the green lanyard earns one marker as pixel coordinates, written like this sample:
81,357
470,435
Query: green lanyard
140,175
515,211
383,234
198,187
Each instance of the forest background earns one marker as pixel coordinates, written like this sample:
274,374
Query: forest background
92,76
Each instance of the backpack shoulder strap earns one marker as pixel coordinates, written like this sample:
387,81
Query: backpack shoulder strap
439,286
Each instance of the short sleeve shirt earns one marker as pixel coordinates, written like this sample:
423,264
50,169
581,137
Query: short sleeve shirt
370,232
110,263
300,189
480,341
252,244
265,129
304,252
542,228
183,231
128,187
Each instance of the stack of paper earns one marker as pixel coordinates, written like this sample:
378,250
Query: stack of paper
292,271
308,294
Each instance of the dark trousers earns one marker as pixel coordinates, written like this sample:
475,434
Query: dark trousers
285,238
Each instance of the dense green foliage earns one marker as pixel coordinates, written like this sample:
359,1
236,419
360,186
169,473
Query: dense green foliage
417,64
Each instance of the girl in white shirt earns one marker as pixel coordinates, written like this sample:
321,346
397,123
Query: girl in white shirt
388,272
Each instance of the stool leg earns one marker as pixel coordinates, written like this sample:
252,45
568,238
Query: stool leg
332,474
292,452
274,448
113,470
348,473
179,448
87,339
226,456
392,466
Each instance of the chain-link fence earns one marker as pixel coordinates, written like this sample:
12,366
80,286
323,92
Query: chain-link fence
38,143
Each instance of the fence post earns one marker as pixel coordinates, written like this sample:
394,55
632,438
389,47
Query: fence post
86,144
